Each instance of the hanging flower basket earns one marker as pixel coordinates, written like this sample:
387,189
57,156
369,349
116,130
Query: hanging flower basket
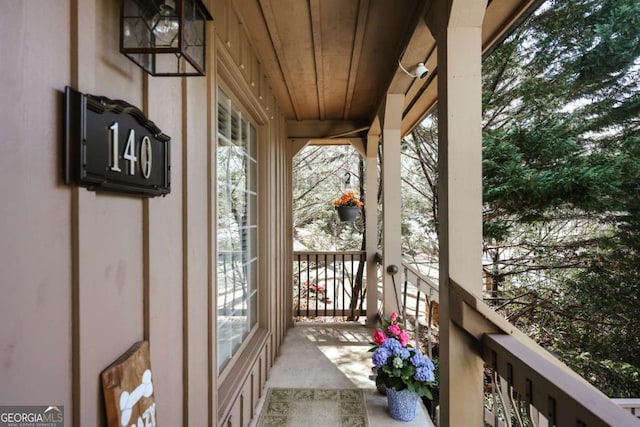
348,206
347,213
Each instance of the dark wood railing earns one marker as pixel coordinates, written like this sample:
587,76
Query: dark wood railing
630,405
325,284
528,386
533,388
419,296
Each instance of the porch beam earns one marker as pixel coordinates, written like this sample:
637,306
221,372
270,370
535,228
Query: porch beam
457,27
321,129
295,146
391,202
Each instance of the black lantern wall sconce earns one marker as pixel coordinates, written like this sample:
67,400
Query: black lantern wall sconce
165,37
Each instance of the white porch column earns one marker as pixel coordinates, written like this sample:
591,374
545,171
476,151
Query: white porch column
371,231
456,25
391,202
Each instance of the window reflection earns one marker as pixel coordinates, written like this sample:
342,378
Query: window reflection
237,229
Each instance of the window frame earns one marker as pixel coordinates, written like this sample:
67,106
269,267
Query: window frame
224,370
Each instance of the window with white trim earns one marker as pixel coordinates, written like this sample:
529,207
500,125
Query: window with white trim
237,229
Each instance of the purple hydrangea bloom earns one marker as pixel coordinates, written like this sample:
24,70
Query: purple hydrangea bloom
419,360
429,364
380,356
401,352
424,373
391,345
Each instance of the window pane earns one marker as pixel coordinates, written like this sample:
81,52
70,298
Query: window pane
237,229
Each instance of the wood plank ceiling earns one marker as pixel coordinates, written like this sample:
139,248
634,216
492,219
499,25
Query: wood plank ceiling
331,62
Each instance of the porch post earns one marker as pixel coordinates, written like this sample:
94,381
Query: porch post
456,25
371,209
391,209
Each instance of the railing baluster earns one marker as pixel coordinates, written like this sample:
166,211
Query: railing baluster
364,284
308,282
429,321
299,284
234,281
352,283
325,286
528,396
335,288
226,283
317,282
335,264
343,282
494,387
416,328
551,411
404,299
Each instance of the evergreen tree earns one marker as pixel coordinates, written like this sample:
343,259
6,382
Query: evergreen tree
561,133
561,174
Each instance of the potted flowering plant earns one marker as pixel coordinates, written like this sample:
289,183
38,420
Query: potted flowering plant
348,205
392,327
404,371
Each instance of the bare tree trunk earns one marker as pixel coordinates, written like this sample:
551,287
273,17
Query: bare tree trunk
357,292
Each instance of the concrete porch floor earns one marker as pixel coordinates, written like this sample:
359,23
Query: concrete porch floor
333,355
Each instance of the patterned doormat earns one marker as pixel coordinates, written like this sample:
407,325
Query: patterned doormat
305,407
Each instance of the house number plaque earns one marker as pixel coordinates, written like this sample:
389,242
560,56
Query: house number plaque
111,146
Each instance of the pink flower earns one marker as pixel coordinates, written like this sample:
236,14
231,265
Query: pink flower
394,316
394,330
379,336
404,338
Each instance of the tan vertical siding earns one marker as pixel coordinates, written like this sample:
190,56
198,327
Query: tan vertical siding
35,217
108,240
166,263
196,251
85,275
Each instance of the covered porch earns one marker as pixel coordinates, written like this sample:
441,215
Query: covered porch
344,79
87,274
522,383
333,356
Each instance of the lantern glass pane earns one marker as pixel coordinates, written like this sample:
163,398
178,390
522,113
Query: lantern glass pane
153,37
136,33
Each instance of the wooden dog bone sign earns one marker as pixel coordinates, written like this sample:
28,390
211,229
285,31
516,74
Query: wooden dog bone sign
128,389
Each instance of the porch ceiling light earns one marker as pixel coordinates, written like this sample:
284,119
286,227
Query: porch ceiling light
165,37
420,70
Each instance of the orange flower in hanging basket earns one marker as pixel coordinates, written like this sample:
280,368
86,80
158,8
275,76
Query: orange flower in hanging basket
350,198
348,206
